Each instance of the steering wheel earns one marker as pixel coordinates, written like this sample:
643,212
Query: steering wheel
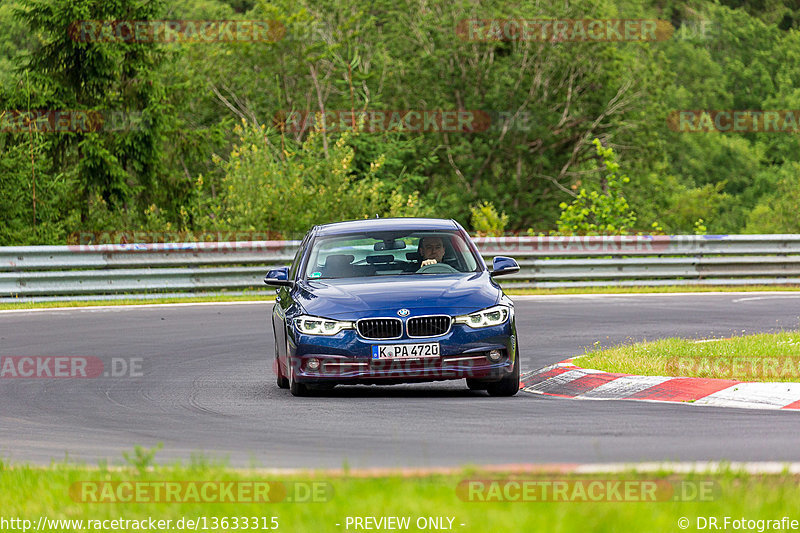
436,268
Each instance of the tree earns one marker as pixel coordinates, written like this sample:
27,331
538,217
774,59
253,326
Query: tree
604,212
70,72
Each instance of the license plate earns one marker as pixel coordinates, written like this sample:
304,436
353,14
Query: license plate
405,351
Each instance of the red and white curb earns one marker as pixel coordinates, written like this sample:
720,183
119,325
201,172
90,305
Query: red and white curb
567,380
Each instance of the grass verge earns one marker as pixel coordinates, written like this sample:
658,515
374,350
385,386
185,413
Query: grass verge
269,295
254,297
59,492
762,357
666,289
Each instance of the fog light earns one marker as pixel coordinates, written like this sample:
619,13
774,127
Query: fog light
494,356
312,364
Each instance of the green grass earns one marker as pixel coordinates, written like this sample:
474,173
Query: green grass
668,289
29,492
269,295
762,357
256,296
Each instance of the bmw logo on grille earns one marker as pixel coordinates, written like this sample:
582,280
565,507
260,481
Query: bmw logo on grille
403,312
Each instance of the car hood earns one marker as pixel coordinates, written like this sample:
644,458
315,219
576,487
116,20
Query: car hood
421,294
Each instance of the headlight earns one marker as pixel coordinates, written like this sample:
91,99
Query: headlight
493,316
314,325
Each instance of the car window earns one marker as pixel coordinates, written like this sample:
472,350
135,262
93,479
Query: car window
297,258
389,253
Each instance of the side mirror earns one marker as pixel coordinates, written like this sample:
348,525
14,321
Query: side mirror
503,265
278,277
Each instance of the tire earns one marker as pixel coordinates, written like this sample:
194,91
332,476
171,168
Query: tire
297,389
476,384
508,385
283,381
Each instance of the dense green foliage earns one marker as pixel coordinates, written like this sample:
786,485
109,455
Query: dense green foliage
207,146
296,186
603,212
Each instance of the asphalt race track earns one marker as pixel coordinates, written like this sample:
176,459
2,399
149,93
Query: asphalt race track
207,386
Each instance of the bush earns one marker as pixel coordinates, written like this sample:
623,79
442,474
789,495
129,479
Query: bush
599,212
777,212
289,189
486,221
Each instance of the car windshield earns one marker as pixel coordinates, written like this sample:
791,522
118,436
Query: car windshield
380,254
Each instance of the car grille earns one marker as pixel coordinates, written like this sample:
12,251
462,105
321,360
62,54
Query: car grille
428,326
380,328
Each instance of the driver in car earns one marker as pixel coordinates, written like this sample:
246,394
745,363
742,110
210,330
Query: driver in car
432,250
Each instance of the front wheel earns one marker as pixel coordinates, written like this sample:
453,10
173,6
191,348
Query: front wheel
508,385
283,381
297,389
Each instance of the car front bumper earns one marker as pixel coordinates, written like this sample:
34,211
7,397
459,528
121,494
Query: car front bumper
347,358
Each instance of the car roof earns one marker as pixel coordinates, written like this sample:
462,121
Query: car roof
383,224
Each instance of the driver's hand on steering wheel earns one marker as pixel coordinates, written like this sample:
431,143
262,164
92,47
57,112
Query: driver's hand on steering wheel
428,262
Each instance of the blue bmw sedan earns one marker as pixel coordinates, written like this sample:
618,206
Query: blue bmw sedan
393,300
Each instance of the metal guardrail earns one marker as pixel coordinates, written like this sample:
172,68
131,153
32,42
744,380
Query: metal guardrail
642,260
